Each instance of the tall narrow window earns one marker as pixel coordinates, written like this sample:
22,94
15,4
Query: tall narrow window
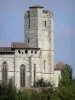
28,40
22,76
45,23
44,64
29,19
34,73
4,72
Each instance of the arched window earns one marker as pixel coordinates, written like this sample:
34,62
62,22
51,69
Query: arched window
4,72
22,76
34,73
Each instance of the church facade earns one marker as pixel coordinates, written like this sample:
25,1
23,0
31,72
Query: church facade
32,59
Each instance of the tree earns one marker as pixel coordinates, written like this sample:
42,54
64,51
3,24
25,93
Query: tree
65,91
66,76
11,93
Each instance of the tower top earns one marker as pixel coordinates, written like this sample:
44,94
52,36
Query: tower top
36,6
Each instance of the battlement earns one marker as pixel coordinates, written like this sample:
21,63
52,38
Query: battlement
36,6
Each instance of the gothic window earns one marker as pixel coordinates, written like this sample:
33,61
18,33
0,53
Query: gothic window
45,23
34,73
22,76
4,72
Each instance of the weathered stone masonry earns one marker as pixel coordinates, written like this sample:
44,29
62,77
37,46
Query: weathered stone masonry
32,59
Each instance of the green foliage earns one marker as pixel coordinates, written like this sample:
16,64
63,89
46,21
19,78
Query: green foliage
11,90
62,93
42,83
34,96
65,91
24,95
7,91
40,96
66,76
3,90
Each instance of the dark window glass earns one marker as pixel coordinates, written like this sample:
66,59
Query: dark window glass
4,72
22,76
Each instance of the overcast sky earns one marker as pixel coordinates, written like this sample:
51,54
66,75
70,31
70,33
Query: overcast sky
12,25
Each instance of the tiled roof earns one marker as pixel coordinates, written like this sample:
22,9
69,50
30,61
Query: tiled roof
36,6
16,45
23,45
5,49
59,66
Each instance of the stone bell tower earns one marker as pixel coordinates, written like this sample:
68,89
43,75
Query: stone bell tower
39,31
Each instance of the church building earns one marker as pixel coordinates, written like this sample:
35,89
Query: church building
28,61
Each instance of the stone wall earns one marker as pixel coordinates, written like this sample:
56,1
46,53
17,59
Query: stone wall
41,34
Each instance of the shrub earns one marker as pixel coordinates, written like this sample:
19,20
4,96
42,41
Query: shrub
42,83
7,91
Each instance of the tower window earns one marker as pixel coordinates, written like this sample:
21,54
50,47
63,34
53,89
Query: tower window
26,51
45,23
29,19
28,40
